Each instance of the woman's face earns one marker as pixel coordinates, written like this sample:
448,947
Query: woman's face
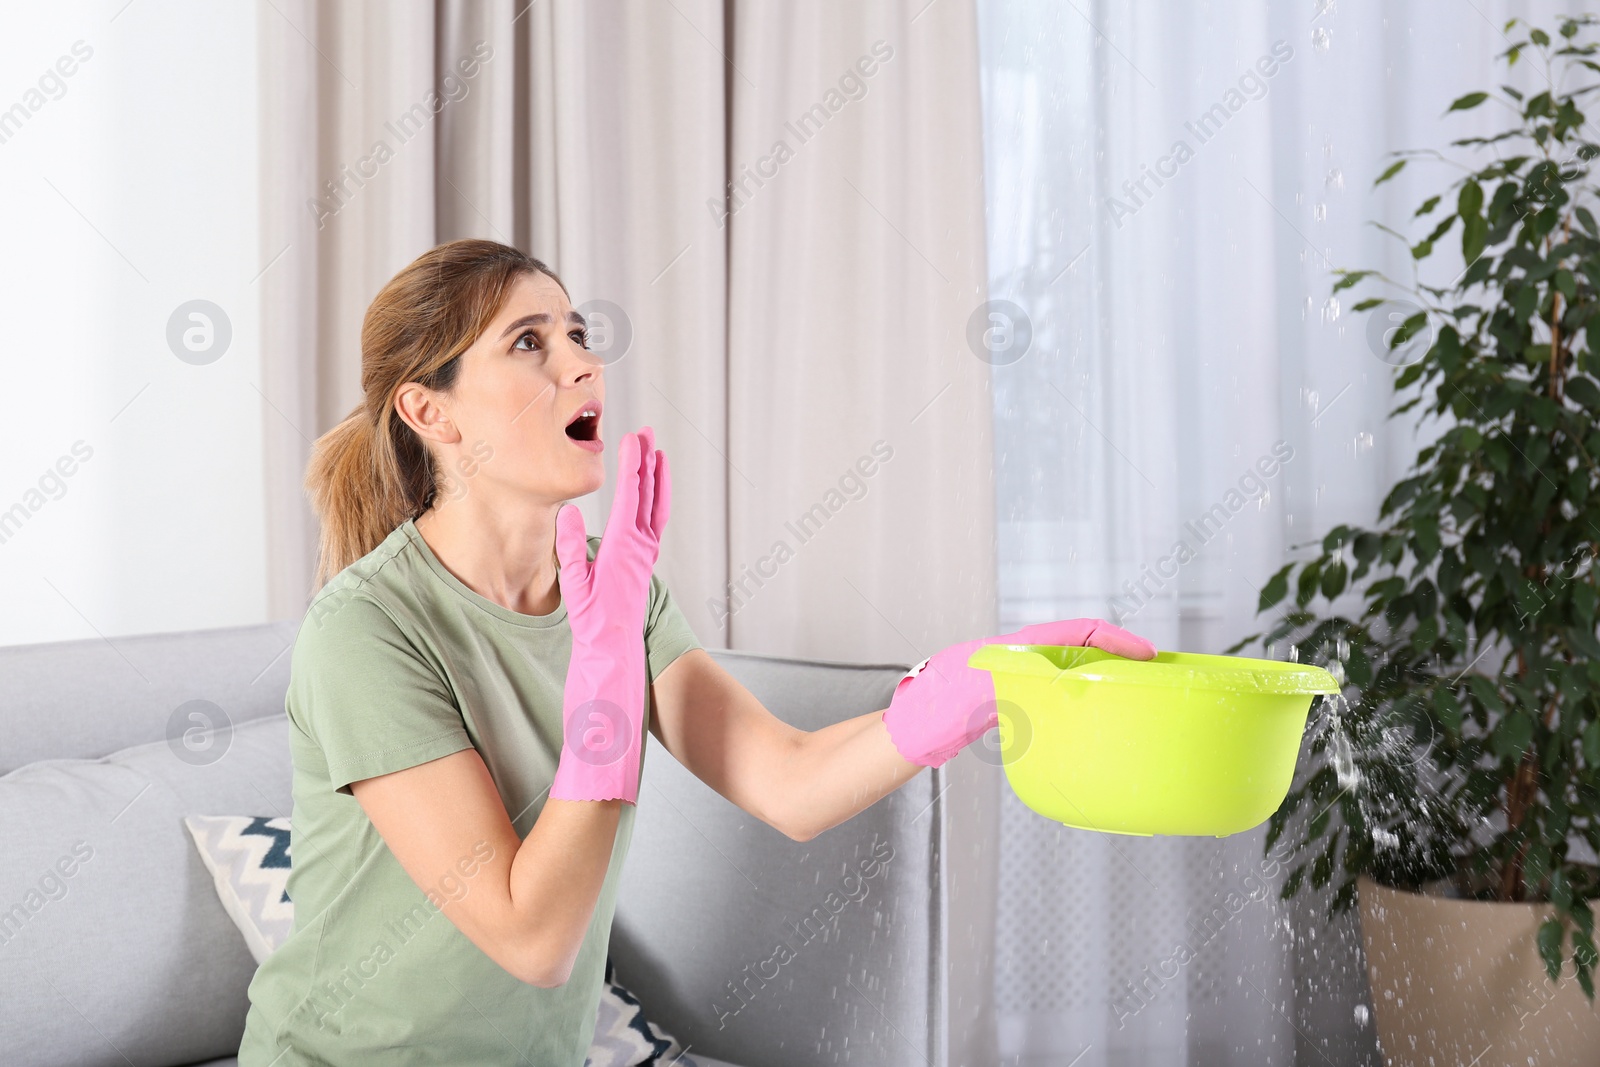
519,388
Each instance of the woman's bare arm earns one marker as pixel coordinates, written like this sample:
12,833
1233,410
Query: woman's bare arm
529,903
796,781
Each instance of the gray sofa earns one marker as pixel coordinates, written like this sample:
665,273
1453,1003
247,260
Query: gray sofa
115,950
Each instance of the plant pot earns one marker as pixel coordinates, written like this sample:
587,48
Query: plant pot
1460,982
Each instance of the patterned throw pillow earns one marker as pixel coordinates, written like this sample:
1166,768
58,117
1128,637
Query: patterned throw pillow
623,1037
248,857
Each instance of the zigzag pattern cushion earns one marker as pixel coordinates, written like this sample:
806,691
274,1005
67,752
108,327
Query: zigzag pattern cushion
248,857
623,1036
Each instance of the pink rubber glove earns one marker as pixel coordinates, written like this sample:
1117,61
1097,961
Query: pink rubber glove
603,701
942,705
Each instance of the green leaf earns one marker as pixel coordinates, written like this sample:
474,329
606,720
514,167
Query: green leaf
1366,547
1368,305
1470,200
1591,744
1425,532
1448,709
1542,39
1335,537
1567,284
1427,206
1394,168
1276,589
1322,866
1310,578
1474,236
1408,329
1351,278
1498,455
1333,579
1585,598
1584,391
1551,935
1470,101
1512,736
1485,692
1584,642
1319,823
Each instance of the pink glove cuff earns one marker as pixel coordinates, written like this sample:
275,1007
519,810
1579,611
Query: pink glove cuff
942,705
603,713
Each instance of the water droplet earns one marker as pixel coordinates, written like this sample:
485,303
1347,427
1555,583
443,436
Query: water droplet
1321,38
1361,1015
1319,212
1330,309
1340,749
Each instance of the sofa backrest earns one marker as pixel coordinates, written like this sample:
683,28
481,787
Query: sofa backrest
760,950
86,699
114,947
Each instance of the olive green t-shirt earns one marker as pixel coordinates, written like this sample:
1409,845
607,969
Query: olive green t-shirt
398,662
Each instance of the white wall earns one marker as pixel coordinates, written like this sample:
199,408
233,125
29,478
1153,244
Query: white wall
128,188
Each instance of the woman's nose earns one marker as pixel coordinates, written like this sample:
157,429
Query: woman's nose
580,363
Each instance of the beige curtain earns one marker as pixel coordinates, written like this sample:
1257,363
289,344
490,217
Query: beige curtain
786,202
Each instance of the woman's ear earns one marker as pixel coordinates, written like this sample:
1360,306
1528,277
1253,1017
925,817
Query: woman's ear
421,410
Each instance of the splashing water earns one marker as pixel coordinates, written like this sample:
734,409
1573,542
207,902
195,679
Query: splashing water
1340,749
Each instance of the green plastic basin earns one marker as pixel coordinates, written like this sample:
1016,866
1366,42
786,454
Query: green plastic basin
1182,744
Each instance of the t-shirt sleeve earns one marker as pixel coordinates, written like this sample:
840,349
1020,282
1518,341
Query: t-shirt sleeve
365,695
666,632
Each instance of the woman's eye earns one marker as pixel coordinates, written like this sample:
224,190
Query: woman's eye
580,336
527,336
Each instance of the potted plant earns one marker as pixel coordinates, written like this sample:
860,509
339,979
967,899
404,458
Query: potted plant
1464,767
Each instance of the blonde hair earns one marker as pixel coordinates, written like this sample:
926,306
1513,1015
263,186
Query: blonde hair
372,472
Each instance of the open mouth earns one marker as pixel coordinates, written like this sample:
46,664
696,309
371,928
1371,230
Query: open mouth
585,426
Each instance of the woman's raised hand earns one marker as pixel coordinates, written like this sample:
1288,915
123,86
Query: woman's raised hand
606,599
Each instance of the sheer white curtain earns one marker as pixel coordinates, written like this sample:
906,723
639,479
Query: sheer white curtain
1168,189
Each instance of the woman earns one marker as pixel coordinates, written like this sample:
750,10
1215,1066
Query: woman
470,690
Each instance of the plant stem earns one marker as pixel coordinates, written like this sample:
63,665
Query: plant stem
1555,322
1518,792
